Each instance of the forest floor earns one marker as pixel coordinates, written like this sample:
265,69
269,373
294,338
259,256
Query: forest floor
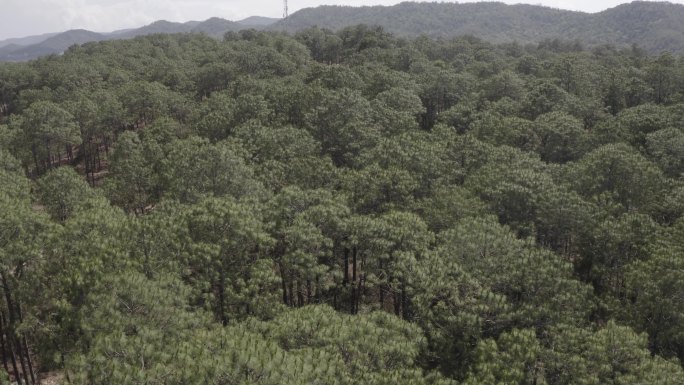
51,378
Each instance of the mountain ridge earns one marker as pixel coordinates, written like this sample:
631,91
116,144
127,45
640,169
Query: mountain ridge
653,26
27,40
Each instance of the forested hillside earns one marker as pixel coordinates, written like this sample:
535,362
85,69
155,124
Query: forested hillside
342,208
33,47
654,26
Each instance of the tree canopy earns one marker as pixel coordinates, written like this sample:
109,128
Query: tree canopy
342,208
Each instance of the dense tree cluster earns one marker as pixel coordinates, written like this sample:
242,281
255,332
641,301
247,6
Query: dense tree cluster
342,208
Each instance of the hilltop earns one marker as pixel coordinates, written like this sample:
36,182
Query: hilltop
23,49
653,26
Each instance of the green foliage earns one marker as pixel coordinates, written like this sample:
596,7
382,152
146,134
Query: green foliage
194,168
553,29
63,192
228,238
45,128
134,184
617,174
665,146
536,282
655,286
343,125
287,156
613,354
448,205
342,208
561,137
512,359
372,342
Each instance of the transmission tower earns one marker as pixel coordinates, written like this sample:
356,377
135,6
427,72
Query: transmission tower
285,9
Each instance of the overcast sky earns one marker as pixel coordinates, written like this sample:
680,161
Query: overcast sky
20,18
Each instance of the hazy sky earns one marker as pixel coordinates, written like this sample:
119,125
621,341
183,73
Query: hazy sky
30,17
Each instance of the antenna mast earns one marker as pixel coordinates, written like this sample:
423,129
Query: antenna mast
285,10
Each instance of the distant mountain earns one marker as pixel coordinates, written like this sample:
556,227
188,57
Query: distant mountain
119,32
28,40
654,26
495,22
161,26
66,39
258,21
55,44
217,27
22,49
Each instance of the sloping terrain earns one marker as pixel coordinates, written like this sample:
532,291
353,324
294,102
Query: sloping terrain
53,45
653,26
24,41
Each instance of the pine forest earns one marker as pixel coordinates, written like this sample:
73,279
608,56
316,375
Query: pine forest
342,208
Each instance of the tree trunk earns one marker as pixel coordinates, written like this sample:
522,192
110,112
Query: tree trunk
35,158
354,267
345,281
292,298
300,295
49,155
26,349
3,349
353,287
22,360
4,333
283,283
99,161
12,337
404,300
359,293
221,293
382,292
86,162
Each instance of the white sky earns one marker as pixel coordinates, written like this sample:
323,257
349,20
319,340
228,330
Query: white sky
20,18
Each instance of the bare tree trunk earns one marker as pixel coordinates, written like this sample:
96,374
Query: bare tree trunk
221,293
382,292
300,295
99,161
49,155
404,300
13,340
292,298
26,349
35,158
22,360
345,280
283,283
3,349
4,334
354,307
